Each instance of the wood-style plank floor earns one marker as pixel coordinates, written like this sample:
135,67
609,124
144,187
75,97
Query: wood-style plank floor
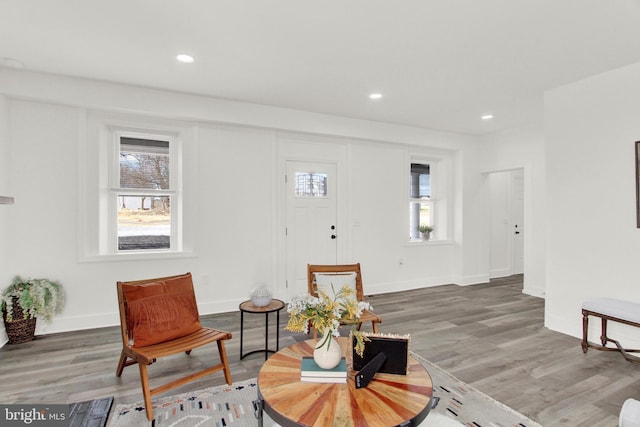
491,336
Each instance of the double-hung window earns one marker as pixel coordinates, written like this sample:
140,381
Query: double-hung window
421,209
144,193
132,200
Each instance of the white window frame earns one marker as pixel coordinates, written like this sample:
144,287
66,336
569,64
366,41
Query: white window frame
430,201
440,183
115,190
98,151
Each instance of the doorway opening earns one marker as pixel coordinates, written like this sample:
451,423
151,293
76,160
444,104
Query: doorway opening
507,227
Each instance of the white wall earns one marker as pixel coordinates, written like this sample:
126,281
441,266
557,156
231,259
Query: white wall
377,172
236,176
5,190
236,210
524,148
590,129
473,210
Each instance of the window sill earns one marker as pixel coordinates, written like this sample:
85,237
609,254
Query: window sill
137,256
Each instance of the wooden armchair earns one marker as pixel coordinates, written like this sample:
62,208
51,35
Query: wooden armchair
345,270
159,317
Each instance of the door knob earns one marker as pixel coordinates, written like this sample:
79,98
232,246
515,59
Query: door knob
333,236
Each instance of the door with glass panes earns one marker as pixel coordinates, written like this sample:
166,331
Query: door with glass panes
311,228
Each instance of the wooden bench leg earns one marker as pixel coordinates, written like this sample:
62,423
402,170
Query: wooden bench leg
603,336
585,331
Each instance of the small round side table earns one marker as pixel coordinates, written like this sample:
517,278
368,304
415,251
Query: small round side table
248,307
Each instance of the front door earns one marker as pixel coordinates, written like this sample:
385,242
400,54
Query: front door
311,226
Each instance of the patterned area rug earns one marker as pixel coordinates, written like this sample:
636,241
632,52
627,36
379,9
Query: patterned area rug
468,406
213,406
456,404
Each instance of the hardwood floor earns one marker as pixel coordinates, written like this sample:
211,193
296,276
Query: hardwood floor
491,336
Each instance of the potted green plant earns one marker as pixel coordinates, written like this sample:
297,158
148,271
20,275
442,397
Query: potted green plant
425,231
25,300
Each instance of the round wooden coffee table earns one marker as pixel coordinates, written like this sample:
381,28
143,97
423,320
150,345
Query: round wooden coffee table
388,400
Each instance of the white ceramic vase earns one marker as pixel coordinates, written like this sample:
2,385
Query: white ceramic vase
261,296
327,353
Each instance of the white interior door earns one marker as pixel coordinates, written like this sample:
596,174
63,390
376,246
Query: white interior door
506,238
517,216
311,223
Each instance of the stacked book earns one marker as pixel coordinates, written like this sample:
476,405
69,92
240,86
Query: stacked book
311,372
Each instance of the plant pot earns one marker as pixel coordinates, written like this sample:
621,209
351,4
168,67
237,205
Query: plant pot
19,329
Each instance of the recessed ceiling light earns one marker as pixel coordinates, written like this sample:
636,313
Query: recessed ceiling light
375,96
487,117
185,59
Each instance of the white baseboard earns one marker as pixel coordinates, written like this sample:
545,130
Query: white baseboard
534,292
501,272
472,280
388,287
220,306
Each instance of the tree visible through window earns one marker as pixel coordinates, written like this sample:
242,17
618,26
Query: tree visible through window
144,195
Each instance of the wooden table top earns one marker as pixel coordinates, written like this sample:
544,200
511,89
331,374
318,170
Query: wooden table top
274,305
388,400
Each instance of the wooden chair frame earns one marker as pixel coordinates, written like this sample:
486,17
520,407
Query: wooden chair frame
145,356
367,315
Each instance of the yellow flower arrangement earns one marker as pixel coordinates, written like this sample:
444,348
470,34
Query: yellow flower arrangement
326,313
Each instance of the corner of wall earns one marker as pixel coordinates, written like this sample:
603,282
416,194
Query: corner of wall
534,292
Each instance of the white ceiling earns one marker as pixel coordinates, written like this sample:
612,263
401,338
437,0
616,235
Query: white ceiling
440,64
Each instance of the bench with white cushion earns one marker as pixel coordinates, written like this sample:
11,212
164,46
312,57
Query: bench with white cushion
616,310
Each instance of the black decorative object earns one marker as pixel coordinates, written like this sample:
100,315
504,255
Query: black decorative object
394,347
366,374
